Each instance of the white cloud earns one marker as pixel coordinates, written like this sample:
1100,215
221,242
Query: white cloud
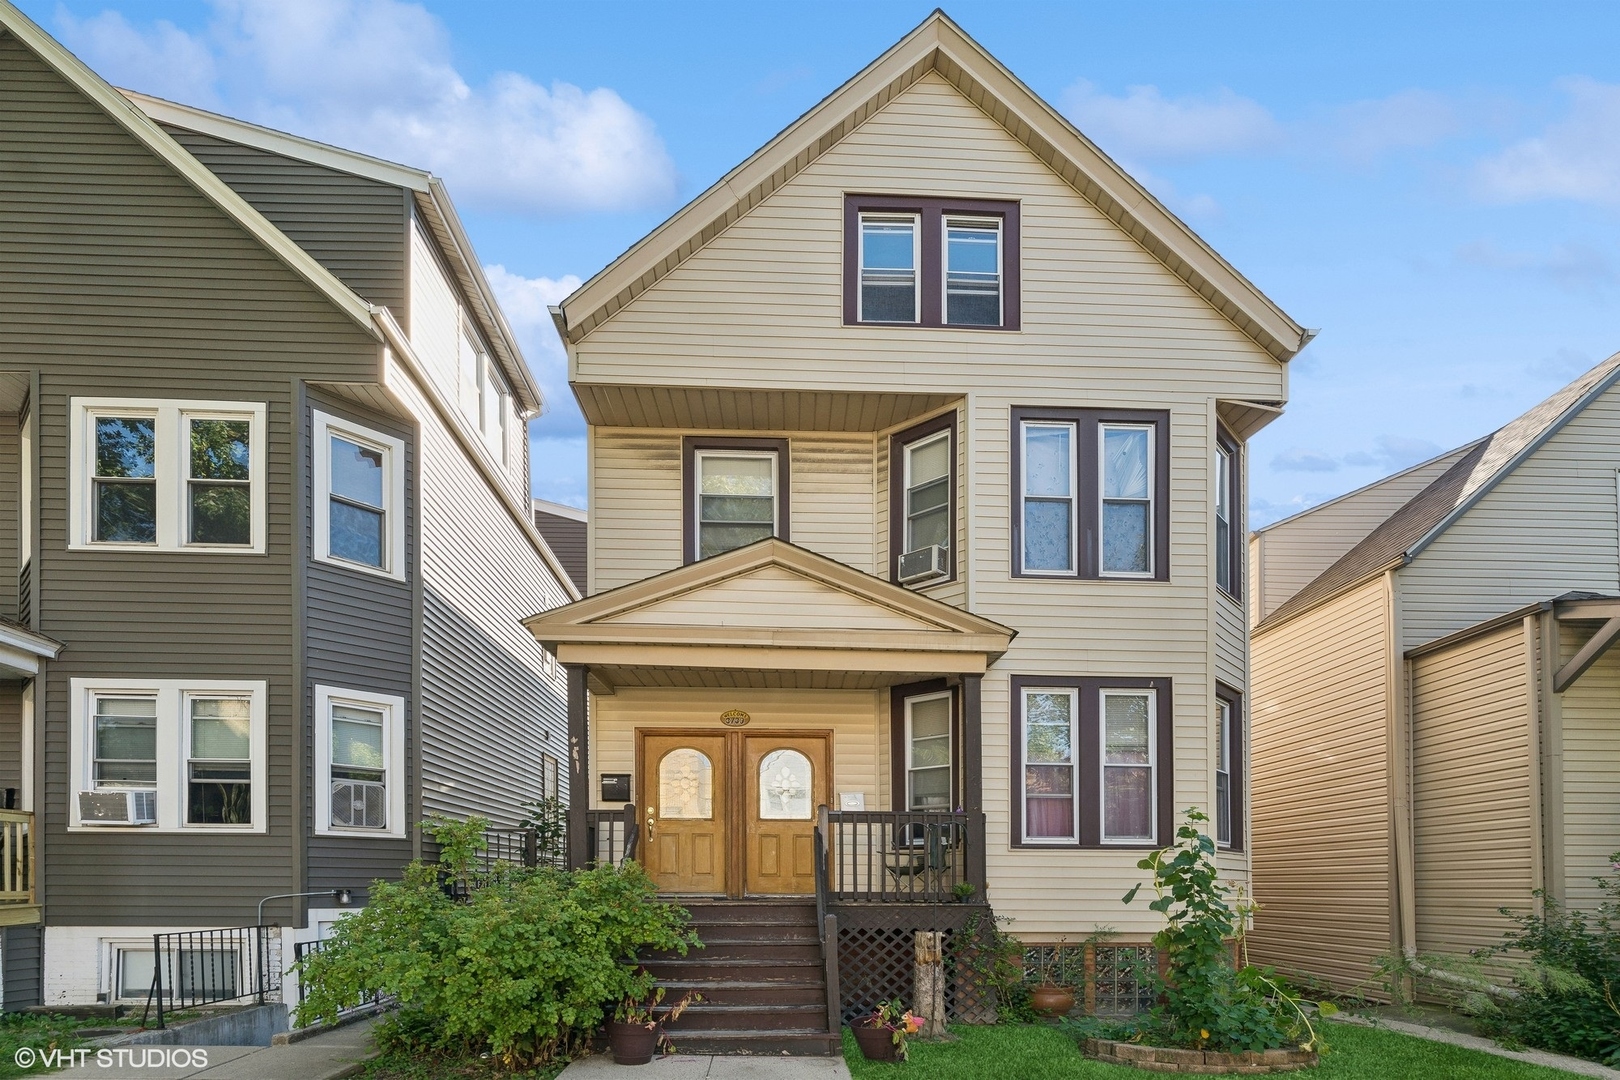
1577,157
1144,125
164,61
377,76
526,302
1562,366
1571,267
1298,460
1366,130
1394,453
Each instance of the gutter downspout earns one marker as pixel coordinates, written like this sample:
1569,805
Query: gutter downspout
1453,979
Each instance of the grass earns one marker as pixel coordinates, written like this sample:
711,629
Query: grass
18,1030
1037,1052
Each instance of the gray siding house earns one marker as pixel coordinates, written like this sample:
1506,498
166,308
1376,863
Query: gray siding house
265,535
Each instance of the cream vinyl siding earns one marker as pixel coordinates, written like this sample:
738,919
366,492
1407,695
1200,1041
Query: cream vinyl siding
761,597
858,720
767,293
1473,826
1231,642
636,500
1591,803
1320,847
1286,556
1550,526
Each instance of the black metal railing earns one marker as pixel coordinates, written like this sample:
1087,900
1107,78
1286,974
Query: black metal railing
899,857
193,968
611,838
519,847
302,949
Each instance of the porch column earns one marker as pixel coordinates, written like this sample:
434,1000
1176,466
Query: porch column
973,778
579,768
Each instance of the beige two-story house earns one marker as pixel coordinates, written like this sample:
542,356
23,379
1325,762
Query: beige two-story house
916,463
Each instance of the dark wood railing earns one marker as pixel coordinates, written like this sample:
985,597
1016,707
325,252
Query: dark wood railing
898,857
612,835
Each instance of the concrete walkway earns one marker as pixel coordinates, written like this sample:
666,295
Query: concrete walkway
704,1067
1474,1042
331,1056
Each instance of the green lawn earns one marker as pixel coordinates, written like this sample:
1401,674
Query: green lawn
1032,1052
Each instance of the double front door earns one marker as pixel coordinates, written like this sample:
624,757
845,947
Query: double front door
732,813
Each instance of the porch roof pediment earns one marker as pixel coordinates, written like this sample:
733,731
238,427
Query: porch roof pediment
770,595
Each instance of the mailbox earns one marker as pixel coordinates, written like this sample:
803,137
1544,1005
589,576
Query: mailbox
616,787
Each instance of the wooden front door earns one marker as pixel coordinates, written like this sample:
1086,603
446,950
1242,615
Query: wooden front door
785,778
685,790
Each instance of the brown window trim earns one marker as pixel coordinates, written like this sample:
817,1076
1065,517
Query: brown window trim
1088,760
897,493
690,445
1087,495
1234,701
932,212
899,795
1237,548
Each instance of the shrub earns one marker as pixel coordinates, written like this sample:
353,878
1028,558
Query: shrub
524,967
1569,985
1207,1001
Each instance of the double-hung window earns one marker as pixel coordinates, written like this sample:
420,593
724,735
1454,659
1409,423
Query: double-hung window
931,262
1229,546
198,745
1091,493
359,497
1228,769
890,280
1087,754
928,752
360,762
167,475
922,484
736,493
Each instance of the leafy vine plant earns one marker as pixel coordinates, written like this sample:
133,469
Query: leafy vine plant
1208,1002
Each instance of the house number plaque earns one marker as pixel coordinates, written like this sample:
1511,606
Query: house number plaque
734,718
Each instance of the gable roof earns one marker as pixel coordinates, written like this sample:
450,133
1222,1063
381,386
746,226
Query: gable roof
937,45
160,143
1431,511
428,192
814,603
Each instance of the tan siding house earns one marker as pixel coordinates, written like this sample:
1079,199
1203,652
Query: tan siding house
862,504
1484,731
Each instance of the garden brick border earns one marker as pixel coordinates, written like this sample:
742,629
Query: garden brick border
1199,1062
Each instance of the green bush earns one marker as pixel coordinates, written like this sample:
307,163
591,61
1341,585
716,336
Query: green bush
1209,1003
1569,986
524,967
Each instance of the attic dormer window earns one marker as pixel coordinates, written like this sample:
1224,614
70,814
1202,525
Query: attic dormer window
943,263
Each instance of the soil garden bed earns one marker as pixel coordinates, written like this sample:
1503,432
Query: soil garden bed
1199,1062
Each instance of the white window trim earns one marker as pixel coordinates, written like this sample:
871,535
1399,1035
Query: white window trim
112,948
1152,766
950,744
1073,497
697,496
393,710
968,221
916,263
171,748
393,450
186,696
906,451
171,469
1073,694
1223,748
1102,470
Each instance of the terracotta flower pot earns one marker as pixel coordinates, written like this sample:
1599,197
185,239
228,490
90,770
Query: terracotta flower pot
876,1043
632,1044
1051,1001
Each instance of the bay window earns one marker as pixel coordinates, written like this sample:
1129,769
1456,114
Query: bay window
359,497
1091,493
1086,761
1230,548
1228,769
736,493
922,502
359,762
928,752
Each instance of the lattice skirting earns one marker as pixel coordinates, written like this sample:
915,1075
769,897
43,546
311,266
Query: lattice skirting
1106,978
877,965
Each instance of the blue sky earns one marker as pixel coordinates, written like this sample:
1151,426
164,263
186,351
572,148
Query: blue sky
1436,186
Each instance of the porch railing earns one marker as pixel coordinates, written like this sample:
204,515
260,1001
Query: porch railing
302,949
193,968
17,875
899,857
611,838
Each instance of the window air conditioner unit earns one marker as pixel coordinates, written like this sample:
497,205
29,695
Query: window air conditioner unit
359,804
118,808
924,564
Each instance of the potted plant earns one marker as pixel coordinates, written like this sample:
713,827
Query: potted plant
636,1031
881,1034
963,891
1047,997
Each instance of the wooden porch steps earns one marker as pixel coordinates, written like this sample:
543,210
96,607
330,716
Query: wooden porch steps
761,975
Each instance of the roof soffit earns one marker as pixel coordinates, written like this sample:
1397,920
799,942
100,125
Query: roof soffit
938,45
